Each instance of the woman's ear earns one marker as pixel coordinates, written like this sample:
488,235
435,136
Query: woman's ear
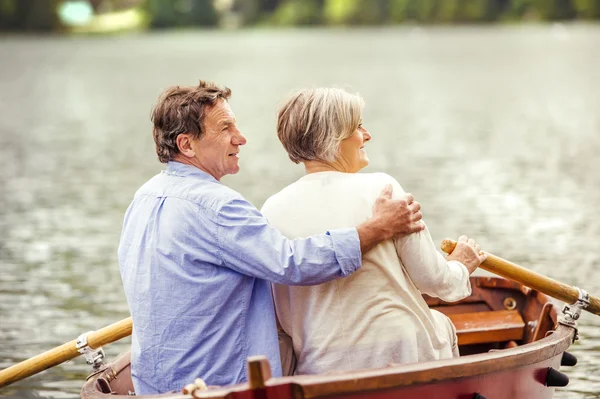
184,145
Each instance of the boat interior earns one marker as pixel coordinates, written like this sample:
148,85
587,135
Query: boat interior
500,314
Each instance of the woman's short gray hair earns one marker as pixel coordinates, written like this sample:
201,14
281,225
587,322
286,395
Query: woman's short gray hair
312,122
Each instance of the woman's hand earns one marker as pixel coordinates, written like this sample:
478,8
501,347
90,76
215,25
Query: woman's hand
468,253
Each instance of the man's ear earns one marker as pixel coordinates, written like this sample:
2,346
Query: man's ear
184,145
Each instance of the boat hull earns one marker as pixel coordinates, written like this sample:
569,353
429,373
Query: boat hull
497,368
527,382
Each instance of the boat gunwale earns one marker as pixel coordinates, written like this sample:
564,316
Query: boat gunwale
402,375
397,375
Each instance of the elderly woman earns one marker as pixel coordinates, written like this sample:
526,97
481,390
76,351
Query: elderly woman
376,316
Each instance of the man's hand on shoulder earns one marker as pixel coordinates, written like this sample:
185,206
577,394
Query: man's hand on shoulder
397,217
391,218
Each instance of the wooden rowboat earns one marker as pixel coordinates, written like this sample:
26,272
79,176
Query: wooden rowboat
513,340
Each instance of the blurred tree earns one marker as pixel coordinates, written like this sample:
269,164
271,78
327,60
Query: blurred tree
29,15
555,9
7,12
403,10
520,9
249,10
447,11
254,11
179,13
427,10
588,8
477,10
202,12
298,12
503,6
352,12
41,15
162,14
269,5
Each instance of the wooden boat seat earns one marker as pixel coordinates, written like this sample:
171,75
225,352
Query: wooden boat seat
488,327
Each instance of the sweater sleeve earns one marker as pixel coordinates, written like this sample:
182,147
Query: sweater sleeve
427,268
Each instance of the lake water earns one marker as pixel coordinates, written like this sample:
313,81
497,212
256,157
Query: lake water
496,131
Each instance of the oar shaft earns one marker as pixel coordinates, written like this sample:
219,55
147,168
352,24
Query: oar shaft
109,334
531,279
65,352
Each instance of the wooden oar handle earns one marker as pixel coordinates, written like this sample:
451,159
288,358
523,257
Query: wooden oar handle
531,279
65,352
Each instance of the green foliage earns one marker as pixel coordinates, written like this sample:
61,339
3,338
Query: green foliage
448,11
478,10
179,13
427,10
340,11
7,11
297,12
355,12
403,10
259,11
554,9
7,7
519,8
587,8
249,10
445,11
29,15
41,15
203,13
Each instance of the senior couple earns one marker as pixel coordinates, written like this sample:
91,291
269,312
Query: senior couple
343,256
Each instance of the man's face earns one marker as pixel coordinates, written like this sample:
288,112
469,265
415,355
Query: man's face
217,152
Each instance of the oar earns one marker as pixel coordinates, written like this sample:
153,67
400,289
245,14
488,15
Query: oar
531,279
65,352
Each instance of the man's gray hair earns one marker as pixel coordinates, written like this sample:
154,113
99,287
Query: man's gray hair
311,123
179,110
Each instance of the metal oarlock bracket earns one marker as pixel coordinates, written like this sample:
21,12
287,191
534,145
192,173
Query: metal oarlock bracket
93,357
571,313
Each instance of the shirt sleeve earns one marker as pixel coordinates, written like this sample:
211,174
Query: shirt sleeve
249,245
428,269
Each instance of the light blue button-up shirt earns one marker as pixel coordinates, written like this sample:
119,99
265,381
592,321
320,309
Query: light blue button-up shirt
196,259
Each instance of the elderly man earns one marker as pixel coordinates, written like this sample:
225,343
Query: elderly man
196,258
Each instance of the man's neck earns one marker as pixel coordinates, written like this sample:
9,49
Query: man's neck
192,162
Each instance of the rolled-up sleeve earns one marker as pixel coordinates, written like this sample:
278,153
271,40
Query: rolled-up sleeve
346,250
249,245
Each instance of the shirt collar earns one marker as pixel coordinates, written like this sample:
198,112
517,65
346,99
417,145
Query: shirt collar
180,169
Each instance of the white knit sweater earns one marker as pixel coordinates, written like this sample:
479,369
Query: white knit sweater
377,315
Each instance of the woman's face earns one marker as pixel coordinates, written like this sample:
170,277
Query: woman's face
352,153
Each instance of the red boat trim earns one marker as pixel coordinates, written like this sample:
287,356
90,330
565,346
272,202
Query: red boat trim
309,386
